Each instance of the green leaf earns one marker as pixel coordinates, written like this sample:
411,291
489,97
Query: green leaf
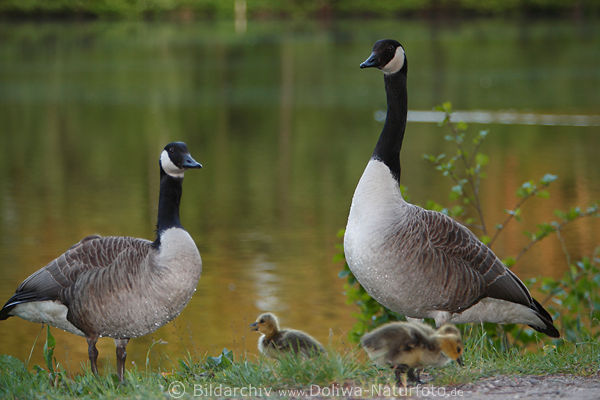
457,211
220,362
548,179
49,349
509,261
432,205
574,213
560,214
481,159
447,107
544,194
456,192
404,193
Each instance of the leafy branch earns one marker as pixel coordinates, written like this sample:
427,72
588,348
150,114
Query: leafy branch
527,190
548,228
467,179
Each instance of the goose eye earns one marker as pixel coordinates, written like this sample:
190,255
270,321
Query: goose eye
458,350
262,321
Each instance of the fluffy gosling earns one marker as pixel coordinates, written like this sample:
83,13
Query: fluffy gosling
275,341
406,346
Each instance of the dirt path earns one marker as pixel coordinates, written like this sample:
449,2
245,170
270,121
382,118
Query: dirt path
524,387
531,387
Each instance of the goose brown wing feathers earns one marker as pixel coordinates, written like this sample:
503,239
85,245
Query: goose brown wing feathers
91,253
465,260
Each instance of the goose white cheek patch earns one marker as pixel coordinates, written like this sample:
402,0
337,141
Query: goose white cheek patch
395,63
168,166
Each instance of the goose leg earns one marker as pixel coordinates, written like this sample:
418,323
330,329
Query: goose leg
121,355
400,373
415,375
93,353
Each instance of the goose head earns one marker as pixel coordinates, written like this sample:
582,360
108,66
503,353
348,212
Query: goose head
451,344
176,158
387,55
267,324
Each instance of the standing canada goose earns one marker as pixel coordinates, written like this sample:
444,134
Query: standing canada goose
409,345
275,341
417,262
120,287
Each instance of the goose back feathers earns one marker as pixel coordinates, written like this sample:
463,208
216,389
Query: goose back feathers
417,262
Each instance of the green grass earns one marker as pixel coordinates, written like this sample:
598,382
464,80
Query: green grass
482,361
332,370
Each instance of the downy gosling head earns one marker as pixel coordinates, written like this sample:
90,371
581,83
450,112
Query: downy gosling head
267,324
449,338
275,341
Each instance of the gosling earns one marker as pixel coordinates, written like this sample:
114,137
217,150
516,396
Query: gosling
407,346
275,341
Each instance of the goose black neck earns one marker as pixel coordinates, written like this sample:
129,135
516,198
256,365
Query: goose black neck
168,204
389,144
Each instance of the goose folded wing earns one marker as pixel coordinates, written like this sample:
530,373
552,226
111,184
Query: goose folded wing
91,253
468,263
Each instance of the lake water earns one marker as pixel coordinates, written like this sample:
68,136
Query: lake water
284,121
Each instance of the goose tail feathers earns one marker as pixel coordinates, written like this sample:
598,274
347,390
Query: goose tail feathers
548,328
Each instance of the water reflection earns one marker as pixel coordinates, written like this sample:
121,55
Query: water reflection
266,285
500,117
282,119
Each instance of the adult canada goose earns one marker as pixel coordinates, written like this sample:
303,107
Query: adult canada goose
417,262
120,287
275,341
409,345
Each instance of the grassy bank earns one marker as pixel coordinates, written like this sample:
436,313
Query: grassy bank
293,9
228,375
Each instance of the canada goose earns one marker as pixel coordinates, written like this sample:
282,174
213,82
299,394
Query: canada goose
275,341
120,287
407,346
417,262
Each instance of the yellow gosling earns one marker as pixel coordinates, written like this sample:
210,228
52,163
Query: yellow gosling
274,341
407,346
